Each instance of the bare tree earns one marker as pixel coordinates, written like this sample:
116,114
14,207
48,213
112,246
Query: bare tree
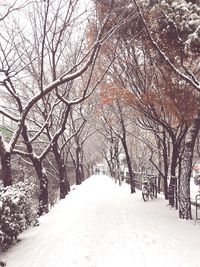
24,59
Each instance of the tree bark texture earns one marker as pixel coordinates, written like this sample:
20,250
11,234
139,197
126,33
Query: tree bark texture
165,180
165,164
42,177
117,164
6,169
159,167
128,160
184,185
78,170
63,181
43,192
173,180
64,184
5,163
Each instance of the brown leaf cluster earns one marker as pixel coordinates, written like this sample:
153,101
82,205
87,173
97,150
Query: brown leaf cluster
110,93
172,101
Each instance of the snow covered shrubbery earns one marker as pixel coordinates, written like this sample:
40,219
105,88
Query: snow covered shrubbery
16,212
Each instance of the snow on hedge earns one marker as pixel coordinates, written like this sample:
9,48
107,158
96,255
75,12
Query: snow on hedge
16,212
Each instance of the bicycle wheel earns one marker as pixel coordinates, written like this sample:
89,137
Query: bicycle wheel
145,194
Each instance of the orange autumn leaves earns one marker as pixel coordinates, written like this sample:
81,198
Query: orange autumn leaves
178,103
169,101
110,93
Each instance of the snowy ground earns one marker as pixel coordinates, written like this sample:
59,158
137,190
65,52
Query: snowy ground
102,225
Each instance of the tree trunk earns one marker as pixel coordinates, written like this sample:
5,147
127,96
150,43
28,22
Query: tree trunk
173,179
118,171
159,166
43,194
112,164
165,180
63,182
184,185
162,167
117,164
128,160
6,169
78,176
82,172
5,163
81,164
166,164
78,171
41,174
66,179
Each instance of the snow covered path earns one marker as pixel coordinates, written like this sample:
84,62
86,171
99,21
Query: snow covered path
102,225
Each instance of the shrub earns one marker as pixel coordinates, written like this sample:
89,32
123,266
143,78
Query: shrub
16,212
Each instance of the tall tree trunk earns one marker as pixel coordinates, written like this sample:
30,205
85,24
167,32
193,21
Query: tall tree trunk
43,194
128,160
159,166
118,170
82,172
78,171
165,152
67,180
173,179
112,163
117,163
165,178
78,176
5,163
41,174
6,169
82,167
163,165
63,182
184,185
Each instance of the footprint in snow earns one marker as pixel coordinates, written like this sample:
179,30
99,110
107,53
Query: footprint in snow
149,239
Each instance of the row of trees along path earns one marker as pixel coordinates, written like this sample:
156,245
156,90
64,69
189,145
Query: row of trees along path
124,63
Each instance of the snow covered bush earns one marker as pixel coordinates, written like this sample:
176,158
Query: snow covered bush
16,212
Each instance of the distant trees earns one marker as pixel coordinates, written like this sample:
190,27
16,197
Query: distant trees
161,79
113,101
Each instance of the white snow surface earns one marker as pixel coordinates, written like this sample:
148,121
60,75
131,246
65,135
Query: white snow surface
101,224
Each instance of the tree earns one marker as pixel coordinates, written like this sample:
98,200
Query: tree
168,28
45,67
184,38
114,99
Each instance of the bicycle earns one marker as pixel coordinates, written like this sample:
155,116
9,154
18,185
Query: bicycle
147,191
